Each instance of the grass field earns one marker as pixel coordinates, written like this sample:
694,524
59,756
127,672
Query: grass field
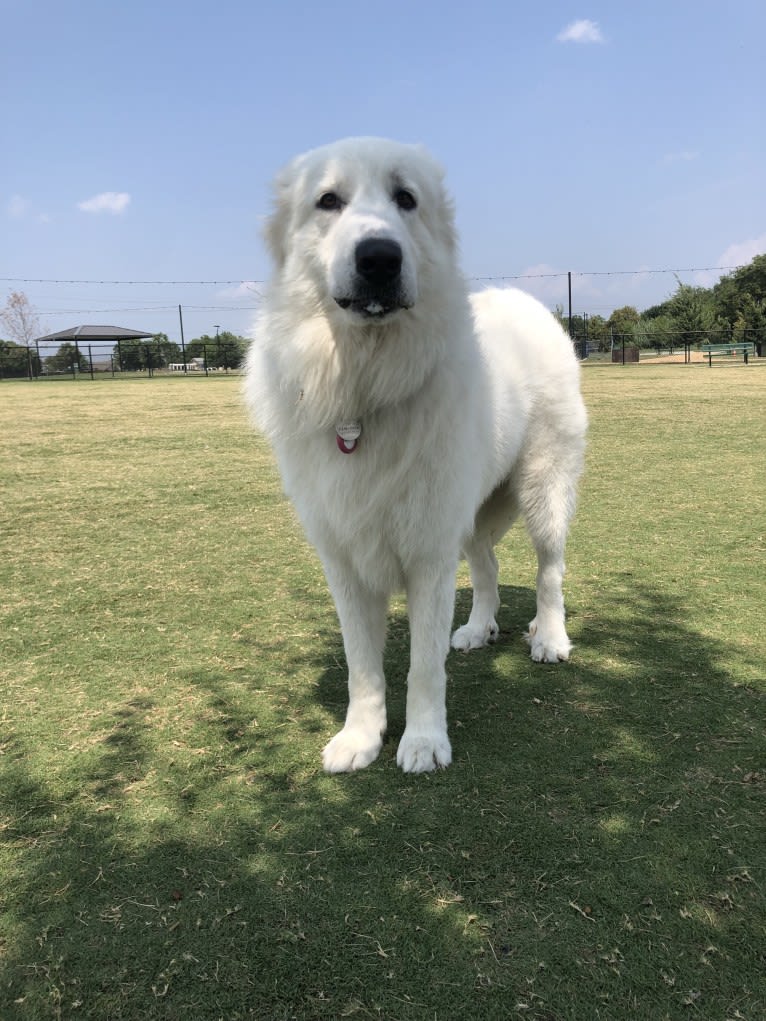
171,667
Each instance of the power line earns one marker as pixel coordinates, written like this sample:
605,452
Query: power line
240,283
612,273
134,283
640,272
150,308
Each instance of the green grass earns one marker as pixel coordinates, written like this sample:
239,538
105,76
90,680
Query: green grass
171,667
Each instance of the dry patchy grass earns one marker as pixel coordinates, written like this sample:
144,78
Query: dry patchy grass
170,666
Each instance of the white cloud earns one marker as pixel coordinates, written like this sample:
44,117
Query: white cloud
742,252
582,31
18,207
682,156
114,202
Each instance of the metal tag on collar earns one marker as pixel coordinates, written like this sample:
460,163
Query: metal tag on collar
347,435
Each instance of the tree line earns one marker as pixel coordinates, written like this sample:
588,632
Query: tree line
23,356
224,351
732,310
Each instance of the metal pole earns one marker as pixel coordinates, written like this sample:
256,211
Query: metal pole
569,283
183,345
584,345
90,359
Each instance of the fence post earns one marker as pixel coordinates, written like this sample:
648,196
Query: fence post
183,344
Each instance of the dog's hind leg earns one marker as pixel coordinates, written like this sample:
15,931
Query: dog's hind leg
492,522
362,614
547,501
481,626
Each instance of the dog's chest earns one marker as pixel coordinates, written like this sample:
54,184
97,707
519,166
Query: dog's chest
394,498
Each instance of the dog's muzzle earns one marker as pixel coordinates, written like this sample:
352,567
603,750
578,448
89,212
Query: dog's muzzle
377,287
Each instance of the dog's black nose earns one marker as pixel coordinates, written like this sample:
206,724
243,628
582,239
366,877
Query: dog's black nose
378,260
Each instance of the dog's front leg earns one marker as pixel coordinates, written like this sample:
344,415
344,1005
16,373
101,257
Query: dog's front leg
430,597
362,615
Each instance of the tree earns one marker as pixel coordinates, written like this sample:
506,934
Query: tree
17,360
691,311
136,355
730,292
598,332
656,311
750,324
129,355
225,351
67,358
19,319
655,330
578,325
622,322
164,351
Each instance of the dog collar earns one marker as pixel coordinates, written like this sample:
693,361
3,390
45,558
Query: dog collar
347,435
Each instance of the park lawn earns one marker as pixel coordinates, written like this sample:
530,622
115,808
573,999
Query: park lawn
170,668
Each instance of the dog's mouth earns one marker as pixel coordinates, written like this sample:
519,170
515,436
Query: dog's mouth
371,308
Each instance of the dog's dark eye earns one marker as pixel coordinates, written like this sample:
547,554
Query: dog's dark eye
330,202
405,200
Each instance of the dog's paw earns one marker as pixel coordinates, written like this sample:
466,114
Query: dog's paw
423,752
550,647
468,637
351,748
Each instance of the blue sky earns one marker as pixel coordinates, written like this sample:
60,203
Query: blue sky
139,141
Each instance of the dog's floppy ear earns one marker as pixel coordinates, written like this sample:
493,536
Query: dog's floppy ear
276,226
439,198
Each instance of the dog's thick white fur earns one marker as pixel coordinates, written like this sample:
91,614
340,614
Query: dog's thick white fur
469,409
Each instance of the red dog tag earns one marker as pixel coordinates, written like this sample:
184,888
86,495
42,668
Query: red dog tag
347,436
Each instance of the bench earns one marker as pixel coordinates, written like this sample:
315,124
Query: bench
716,350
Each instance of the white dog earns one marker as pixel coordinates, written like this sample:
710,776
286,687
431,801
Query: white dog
410,423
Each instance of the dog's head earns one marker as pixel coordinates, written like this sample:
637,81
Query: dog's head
365,223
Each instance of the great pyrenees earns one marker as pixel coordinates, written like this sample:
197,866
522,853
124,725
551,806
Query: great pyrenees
410,422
